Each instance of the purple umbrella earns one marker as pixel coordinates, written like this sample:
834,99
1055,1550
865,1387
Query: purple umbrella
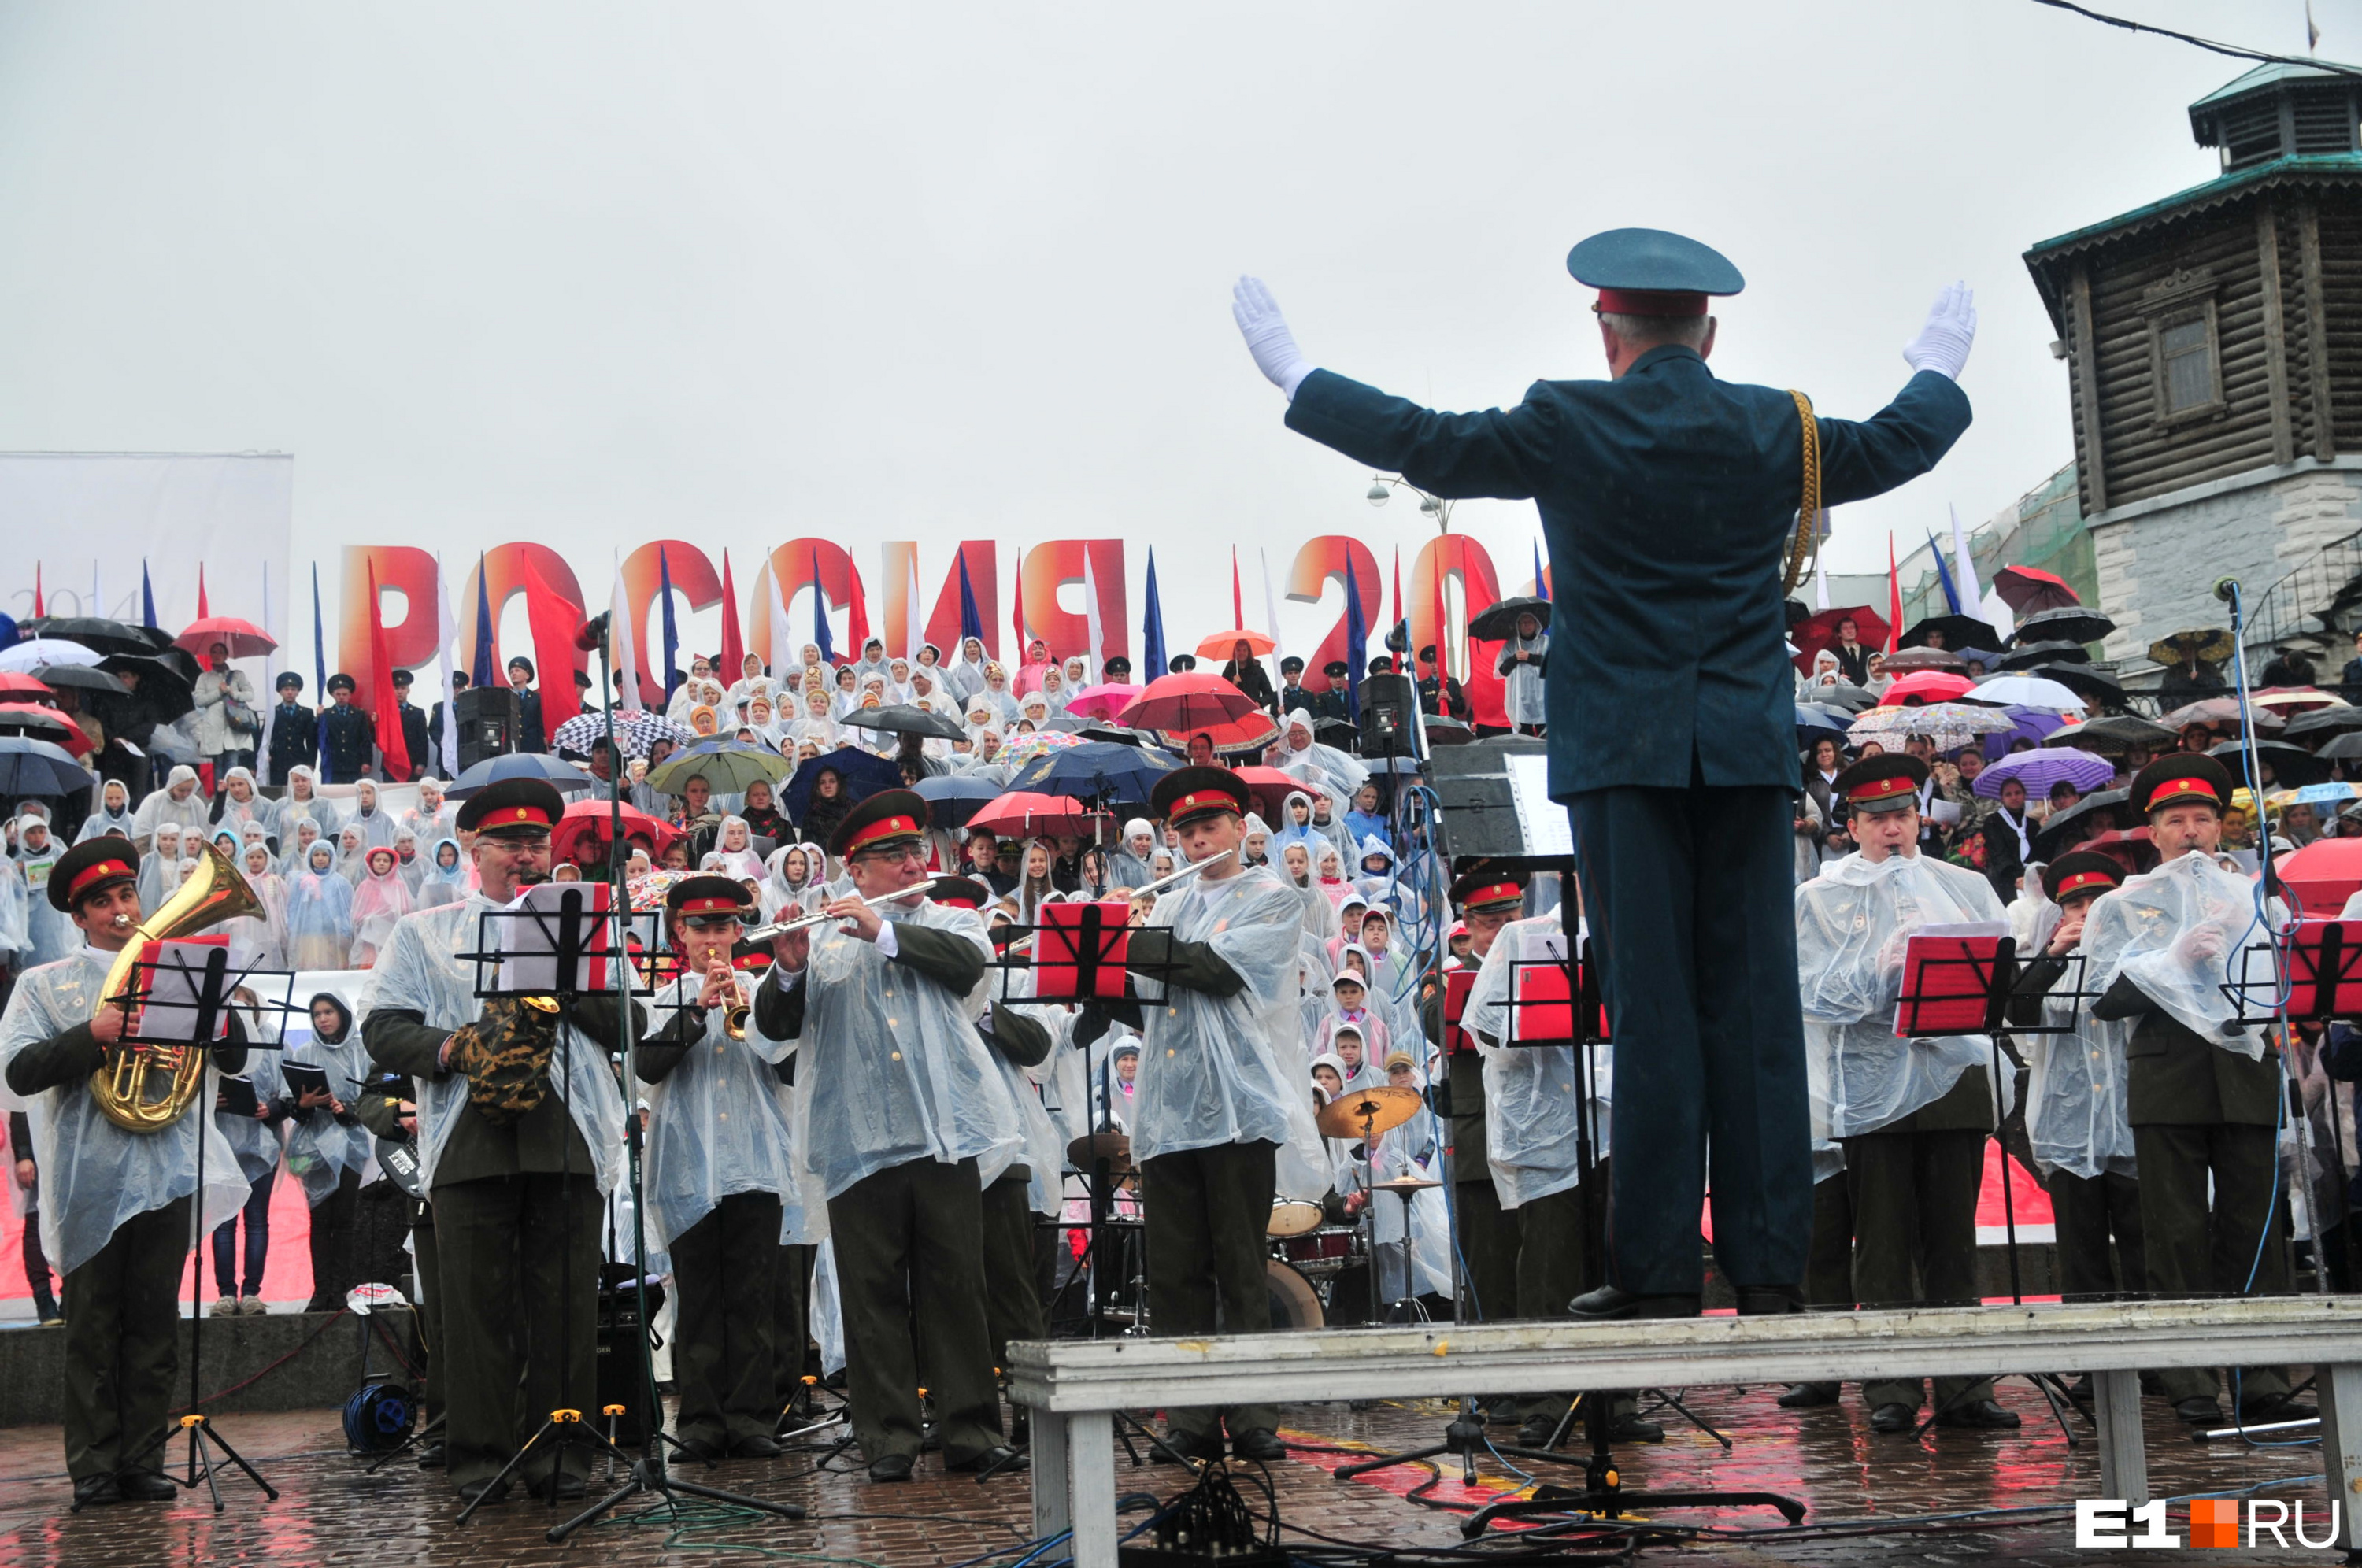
2036,725
2044,766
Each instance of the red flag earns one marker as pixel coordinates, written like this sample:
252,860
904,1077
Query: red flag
202,611
390,744
1440,613
1893,598
1018,618
1402,610
1238,604
856,617
734,648
554,619
38,611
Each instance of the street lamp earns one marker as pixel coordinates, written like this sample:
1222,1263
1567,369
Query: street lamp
1432,507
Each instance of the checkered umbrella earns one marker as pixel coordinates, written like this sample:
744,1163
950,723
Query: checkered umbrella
636,734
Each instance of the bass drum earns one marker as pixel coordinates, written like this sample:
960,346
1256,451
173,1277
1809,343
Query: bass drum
1295,1304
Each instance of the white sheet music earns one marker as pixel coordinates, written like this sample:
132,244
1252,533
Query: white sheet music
176,988
529,942
1544,822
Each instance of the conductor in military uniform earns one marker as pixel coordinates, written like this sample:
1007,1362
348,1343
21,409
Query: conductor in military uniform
1665,496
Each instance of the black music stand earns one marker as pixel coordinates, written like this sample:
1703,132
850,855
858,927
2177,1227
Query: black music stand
2313,975
208,991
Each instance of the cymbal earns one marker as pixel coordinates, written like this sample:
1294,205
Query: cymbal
1361,1111
1092,1147
1403,1185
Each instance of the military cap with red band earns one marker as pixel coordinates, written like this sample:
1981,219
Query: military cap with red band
1889,782
1189,792
512,806
1488,886
707,895
91,866
2183,776
1648,272
960,892
887,817
2082,871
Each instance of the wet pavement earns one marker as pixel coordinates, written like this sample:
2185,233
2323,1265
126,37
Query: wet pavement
330,1512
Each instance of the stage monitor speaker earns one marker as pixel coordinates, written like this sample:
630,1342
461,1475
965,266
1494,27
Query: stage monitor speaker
622,1336
1389,716
491,724
1480,807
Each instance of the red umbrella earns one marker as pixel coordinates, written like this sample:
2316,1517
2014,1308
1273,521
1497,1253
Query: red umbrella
2028,590
15,683
1220,644
1024,812
2324,874
1817,632
582,834
1251,729
42,724
1185,703
244,638
1929,686
1271,789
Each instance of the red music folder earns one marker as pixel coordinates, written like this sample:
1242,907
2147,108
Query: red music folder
1948,979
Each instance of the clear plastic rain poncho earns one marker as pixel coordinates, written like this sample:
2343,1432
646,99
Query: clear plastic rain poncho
94,1175
716,1124
320,1149
421,971
1230,1069
254,1139
2178,932
2077,1113
893,1064
1044,1150
1407,1151
1530,1099
1852,924
16,934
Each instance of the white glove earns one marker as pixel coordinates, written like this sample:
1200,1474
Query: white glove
1268,339
1947,335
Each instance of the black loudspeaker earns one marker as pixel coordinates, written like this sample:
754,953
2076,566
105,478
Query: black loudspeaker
1479,806
489,723
621,1379
1389,716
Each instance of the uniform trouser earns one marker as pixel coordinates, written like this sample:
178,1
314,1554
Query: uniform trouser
37,1262
331,1244
256,1217
1828,1267
722,1349
121,1307
910,1272
1488,1236
1915,1196
2191,1252
1557,1245
1012,1300
1691,895
1206,1212
430,1305
790,1321
2088,1210
520,1292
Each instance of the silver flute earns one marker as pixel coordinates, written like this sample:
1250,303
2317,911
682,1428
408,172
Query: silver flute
766,933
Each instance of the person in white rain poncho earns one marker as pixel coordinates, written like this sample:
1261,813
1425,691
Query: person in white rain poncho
327,1147
2075,1099
519,1134
720,1170
1912,1115
907,1112
2202,1091
50,931
113,813
120,1209
1223,1118
1408,1151
1520,668
250,1127
177,802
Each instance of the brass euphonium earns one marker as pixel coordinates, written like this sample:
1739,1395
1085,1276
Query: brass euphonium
214,892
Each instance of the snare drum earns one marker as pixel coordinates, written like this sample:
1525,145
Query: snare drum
1293,1216
1324,1252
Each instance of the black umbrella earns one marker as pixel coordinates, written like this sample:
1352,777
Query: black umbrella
2346,747
86,677
2292,766
2069,623
2323,721
2060,829
1498,623
2117,734
903,719
99,633
1959,632
2084,681
952,798
160,693
30,767
1095,770
2025,655
1852,698
1907,659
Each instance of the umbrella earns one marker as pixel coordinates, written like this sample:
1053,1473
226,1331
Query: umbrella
2044,766
1256,729
97,631
2322,794
2324,874
2029,591
552,771
34,653
904,720
635,734
80,676
1819,630
952,798
2025,655
582,833
2317,721
161,691
1852,698
1097,770
1026,747
1957,632
2285,701
17,684
245,639
2069,623
2218,711
2038,726
1270,789
2027,692
863,773
1103,701
648,890
728,766
2064,827
9,633
1220,645
2346,747
2290,765
2121,734
1813,721
1184,702
1950,725
1929,686
1498,623
32,766
2207,644
2087,684
31,718
1925,658
1025,813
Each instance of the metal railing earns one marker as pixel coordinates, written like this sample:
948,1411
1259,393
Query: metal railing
2313,599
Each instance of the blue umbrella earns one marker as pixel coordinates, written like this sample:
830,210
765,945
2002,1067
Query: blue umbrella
30,766
1096,770
2036,725
8,632
500,769
1813,721
865,773
952,798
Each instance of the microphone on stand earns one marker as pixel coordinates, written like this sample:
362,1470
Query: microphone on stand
593,632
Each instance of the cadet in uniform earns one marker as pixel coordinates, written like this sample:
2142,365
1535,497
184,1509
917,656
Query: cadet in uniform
1665,496
294,732
348,735
1487,1233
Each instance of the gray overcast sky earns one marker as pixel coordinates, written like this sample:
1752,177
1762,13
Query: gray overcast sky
747,271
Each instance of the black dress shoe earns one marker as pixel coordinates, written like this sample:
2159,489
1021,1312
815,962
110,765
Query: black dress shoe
1632,1428
1537,1432
2275,1408
2200,1411
432,1457
991,1456
489,1492
1761,1301
1613,1302
1893,1417
1207,1446
753,1448
96,1492
566,1484
1809,1396
1988,1414
1258,1444
701,1451
146,1486
890,1467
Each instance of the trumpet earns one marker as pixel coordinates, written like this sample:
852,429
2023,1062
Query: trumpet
763,933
